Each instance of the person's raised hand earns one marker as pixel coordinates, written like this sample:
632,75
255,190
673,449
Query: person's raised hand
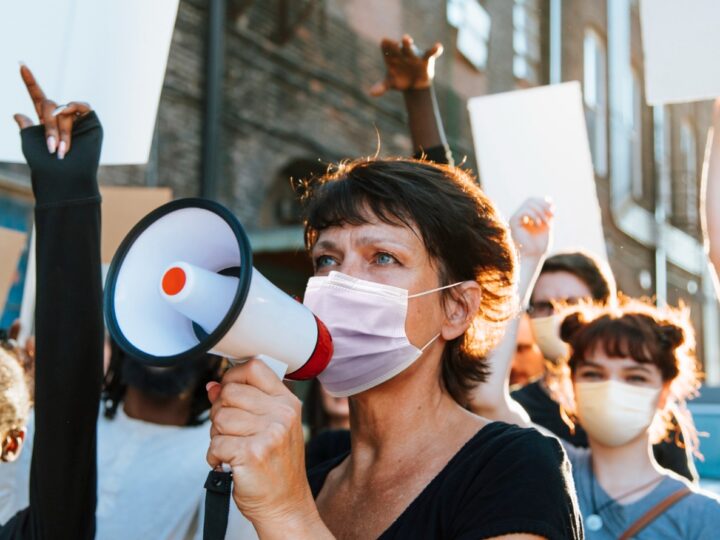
257,431
531,227
57,120
408,68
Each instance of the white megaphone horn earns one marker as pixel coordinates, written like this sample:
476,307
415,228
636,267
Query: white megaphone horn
182,284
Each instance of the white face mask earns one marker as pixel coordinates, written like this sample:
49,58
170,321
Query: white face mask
614,413
547,336
367,323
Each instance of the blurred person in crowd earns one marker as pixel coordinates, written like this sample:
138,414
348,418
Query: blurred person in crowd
15,422
151,448
15,401
63,154
528,364
564,279
629,367
328,419
151,443
415,278
640,365
152,435
710,200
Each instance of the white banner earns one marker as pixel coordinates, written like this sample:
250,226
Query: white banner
681,40
533,143
109,53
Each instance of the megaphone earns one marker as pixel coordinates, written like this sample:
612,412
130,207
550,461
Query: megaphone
182,284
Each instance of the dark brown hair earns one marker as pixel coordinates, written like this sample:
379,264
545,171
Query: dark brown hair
588,269
641,334
458,225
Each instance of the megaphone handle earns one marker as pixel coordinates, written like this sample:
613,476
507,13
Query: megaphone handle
218,485
218,488
278,367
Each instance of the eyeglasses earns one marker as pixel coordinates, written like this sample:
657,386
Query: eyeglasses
545,308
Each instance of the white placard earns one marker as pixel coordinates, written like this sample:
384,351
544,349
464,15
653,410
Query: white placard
533,143
109,53
681,43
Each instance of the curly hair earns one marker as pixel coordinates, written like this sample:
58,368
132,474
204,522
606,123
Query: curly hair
663,337
459,226
114,387
15,396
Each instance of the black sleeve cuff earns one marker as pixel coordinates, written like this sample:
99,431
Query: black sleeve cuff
56,181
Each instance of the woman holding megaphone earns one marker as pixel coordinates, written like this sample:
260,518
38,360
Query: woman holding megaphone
68,319
415,278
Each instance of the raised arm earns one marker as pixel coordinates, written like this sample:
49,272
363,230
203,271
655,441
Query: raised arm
531,228
69,324
411,72
711,192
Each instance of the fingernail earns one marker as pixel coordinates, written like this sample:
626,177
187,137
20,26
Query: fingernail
60,109
22,64
61,150
51,144
210,385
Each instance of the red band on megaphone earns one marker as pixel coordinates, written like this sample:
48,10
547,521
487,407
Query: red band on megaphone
319,359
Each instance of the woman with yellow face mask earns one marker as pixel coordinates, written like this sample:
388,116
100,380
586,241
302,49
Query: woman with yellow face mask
628,369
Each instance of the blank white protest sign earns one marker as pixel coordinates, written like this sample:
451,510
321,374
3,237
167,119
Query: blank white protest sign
681,41
533,143
110,53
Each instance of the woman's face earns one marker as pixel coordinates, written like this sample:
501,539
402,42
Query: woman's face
598,367
387,254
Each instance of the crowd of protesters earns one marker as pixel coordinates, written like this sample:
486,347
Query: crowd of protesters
489,388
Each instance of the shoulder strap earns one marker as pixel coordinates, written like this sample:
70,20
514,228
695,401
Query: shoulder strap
217,504
655,512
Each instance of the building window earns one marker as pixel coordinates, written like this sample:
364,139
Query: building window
685,180
473,25
636,155
528,23
595,96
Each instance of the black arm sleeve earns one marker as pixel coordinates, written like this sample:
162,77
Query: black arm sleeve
69,338
437,154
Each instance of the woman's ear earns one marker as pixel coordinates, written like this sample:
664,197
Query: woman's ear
461,307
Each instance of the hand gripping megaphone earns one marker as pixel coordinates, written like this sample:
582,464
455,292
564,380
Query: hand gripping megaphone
182,284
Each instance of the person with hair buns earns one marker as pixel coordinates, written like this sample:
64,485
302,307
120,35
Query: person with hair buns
629,368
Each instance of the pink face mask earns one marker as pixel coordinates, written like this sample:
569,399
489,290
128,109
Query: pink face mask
367,323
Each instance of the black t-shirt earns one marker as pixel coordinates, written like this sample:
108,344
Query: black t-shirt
545,412
504,480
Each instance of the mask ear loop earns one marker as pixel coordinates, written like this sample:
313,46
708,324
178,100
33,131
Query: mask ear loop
436,290
424,347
